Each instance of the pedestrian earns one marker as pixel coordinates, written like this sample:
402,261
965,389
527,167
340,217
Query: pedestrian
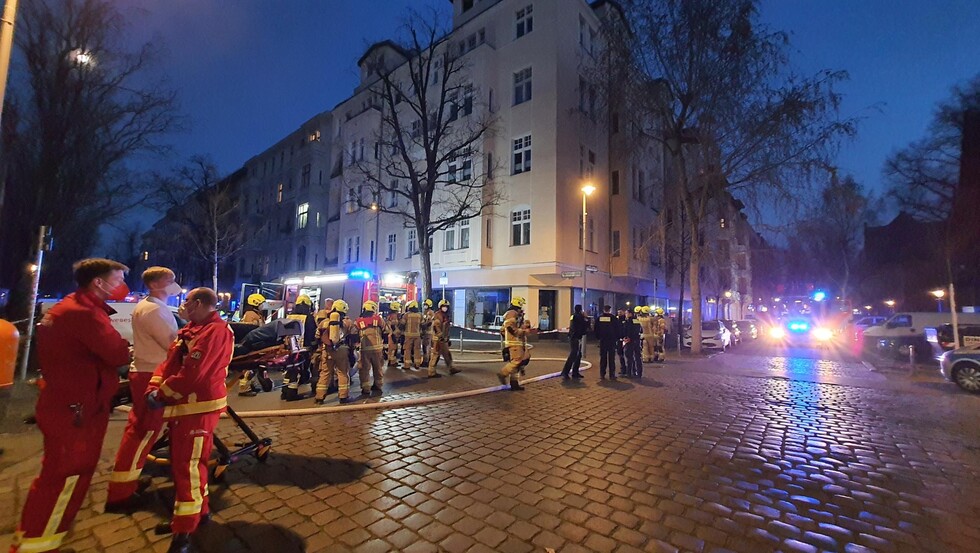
412,349
154,330
372,330
440,340
634,332
189,387
515,331
79,353
578,327
338,337
659,327
607,332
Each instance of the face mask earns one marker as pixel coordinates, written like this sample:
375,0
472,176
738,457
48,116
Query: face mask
173,289
118,293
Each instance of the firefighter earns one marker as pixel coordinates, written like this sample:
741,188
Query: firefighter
324,312
154,329
318,318
515,331
190,388
252,310
297,374
659,331
646,321
372,330
607,331
412,348
620,343
634,332
79,353
339,337
396,329
440,340
427,316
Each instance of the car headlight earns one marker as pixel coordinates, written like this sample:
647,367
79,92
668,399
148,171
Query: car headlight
777,333
823,334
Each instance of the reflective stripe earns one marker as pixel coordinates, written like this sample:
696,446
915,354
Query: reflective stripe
43,543
187,508
170,393
123,476
59,507
183,409
193,507
156,380
139,452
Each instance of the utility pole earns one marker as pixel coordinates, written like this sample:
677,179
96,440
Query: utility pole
43,237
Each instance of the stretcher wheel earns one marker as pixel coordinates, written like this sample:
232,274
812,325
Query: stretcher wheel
262,453
218,474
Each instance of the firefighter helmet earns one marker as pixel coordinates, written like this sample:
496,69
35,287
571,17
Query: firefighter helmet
443,303
412,305
427,303
395,306
645,309
340,306
659,311
303,299
518,302
370,306
638,309
255,300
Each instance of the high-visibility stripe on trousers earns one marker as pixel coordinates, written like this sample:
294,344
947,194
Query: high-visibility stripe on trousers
336,364
142,429
191,438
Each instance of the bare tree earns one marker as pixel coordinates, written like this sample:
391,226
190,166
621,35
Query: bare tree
206,212
79,109
716,88
433,136
924,175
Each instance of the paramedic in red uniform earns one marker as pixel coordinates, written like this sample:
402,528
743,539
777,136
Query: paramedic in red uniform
190,388
80,354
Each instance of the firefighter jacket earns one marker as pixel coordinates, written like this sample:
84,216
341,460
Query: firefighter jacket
79,352
308,338
252,317
372,331
607,328
578,326
440,326
515,334
413,324
659,326
632,329
395,324
646,322
321,316
427,316
338,331
192,379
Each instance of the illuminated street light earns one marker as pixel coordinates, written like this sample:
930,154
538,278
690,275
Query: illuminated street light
939,294
83,58
890,303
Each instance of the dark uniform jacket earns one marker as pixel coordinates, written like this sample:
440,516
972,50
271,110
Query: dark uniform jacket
578,327
607,328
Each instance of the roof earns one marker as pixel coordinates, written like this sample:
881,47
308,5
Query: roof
383,44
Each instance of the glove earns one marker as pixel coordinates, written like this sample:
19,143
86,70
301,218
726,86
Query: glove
151,400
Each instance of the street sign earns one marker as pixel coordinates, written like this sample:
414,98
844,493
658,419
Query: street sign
592,268
443,281
571,274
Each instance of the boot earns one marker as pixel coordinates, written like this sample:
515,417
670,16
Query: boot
290,394
515,386
454,370
502,378
180,543
129,505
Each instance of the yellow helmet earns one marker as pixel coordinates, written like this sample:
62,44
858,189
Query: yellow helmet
303,299
255,300
412,305
340,306
518,301
638,309
659,311
427,303
395,306
370,306
443,303
645,309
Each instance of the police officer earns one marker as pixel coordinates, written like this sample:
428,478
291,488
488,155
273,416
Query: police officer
412,348
395,330
620,343
578,327
659,326
646,321
427,315
338,335
633,331
607,331
372,330
515,331
440,340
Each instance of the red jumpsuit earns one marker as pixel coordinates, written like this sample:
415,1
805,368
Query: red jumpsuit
191,382
79,354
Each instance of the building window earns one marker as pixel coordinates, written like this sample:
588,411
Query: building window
305,178
614,246
615,183
520,227
372,251
489,233
392,246
416,129
302,216
457,237
301,258
279,193
522,86
522,154
525,21
722,222
393,194
592,234
349,251
413,245
464,234
351,204
449,239
319,220
357,249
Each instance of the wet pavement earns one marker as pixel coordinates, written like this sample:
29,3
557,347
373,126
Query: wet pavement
752,450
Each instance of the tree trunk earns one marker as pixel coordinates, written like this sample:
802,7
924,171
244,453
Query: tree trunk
214,267
425,272
694,272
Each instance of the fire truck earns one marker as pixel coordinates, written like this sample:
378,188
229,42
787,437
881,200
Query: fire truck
355,287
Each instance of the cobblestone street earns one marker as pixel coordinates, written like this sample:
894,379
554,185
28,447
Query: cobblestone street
696,456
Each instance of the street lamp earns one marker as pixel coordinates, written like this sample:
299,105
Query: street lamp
939,294
376,208
587,191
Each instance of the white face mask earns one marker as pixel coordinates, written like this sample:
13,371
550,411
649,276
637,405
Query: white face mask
173,289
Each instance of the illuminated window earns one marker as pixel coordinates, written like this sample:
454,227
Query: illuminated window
302,215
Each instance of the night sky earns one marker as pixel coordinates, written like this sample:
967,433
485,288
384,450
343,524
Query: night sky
250,71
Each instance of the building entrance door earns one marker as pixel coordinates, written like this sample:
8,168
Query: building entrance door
546,309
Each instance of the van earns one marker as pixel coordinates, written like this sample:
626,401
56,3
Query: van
908,329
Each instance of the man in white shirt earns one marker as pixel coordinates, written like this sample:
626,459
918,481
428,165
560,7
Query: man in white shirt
154,330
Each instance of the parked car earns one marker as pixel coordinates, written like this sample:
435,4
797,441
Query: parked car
735,330
907,330
865,322
714,335
749,330
962,366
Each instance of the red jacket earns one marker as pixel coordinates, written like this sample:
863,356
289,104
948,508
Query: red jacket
80,353
192,379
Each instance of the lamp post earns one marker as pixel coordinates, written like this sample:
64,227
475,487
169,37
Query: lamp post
587,191
939,294
376,208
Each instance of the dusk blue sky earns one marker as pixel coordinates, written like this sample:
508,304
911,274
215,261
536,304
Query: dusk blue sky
250,71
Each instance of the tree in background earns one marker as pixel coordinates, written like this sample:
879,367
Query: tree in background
718,92
76,114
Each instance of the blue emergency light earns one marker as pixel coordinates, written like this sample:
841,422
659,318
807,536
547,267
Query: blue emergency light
360,274
798,326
